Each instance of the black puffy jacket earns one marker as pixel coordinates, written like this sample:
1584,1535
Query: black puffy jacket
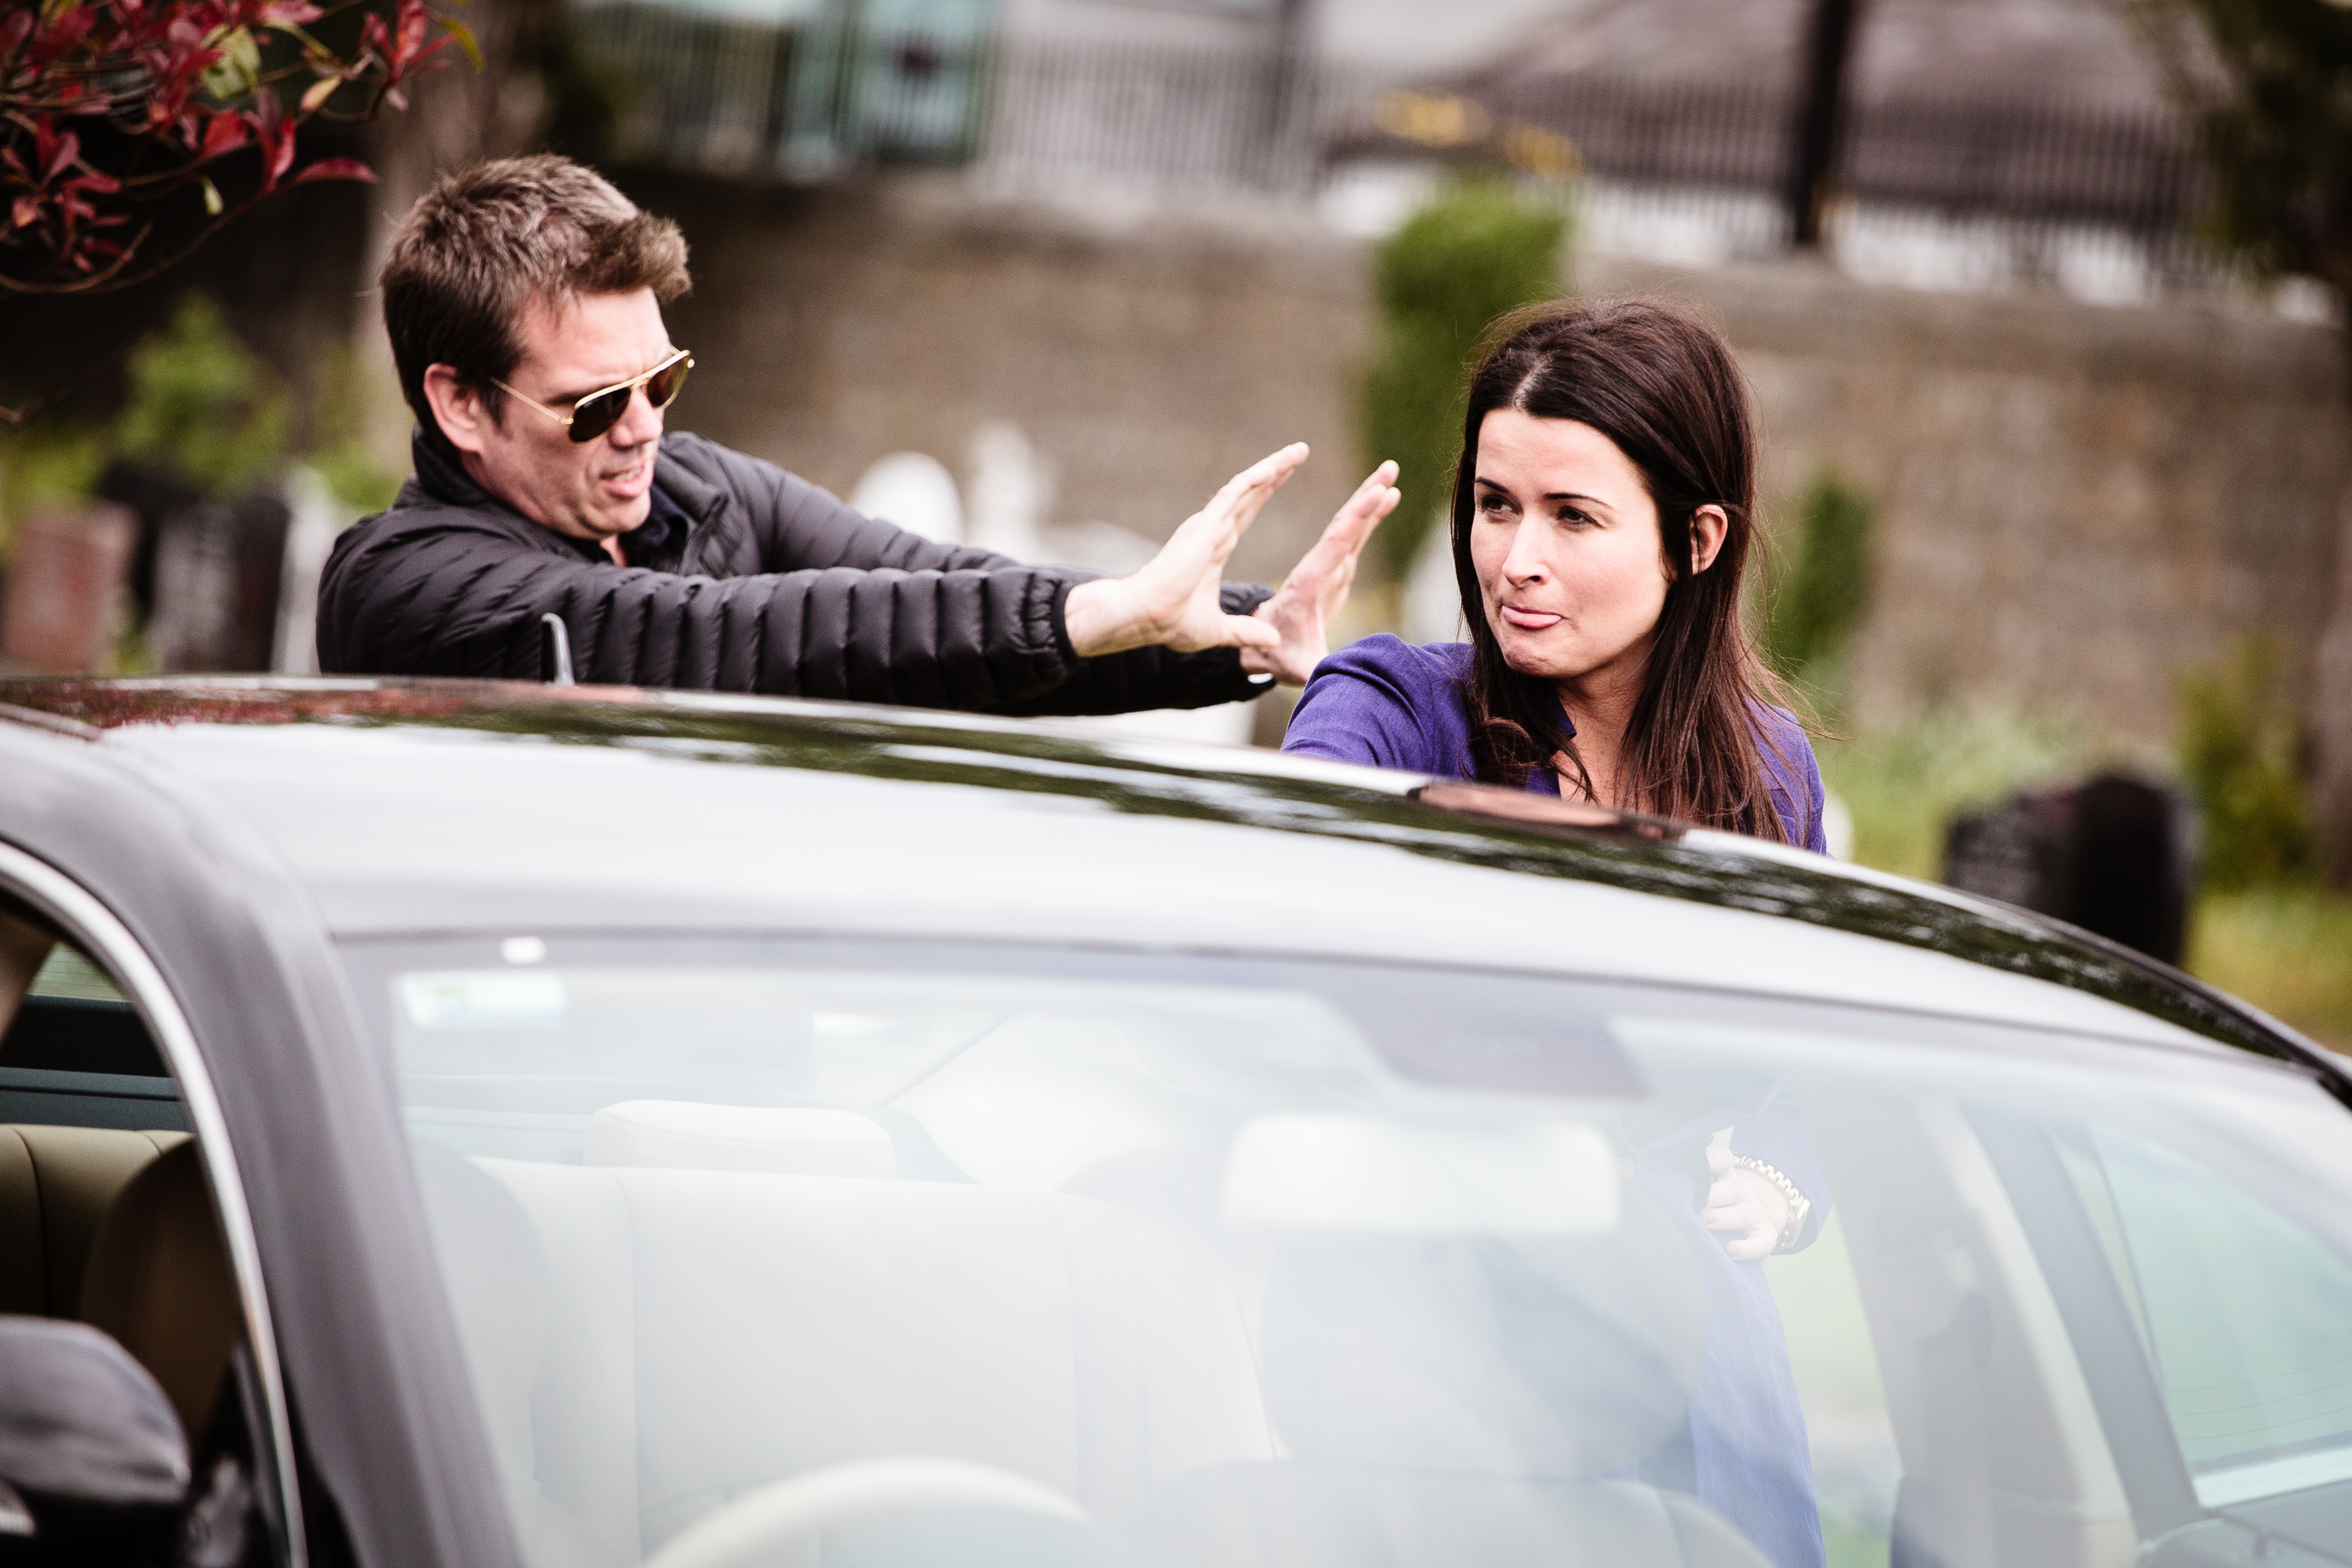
745,579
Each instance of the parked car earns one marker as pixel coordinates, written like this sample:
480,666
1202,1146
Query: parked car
453,1123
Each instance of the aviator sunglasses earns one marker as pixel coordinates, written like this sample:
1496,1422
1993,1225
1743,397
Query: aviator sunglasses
598,412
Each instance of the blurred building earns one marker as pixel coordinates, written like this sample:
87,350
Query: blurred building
2034,53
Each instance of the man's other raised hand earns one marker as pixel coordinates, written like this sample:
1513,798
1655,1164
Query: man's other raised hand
1172,601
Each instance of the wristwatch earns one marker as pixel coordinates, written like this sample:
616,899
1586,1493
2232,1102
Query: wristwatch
1799,1205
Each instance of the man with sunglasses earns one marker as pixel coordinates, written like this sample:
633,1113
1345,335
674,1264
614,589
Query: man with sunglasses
523,301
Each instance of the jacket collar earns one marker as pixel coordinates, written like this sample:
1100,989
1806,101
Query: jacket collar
441,475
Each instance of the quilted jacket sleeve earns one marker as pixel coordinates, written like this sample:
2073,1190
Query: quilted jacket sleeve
801,527
444,598
842,605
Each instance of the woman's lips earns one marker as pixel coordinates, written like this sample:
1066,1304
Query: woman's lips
1529,620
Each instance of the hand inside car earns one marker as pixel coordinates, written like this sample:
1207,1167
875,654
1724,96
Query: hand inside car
1172,601
1745,1204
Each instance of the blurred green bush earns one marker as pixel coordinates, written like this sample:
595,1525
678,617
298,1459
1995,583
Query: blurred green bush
52,460
1825,589
2240,745
2286,949
1484,247
338,447
1903,784
203,406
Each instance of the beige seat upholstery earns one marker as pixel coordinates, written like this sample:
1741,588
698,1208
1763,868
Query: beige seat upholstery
159,1280
56,1185
653,1344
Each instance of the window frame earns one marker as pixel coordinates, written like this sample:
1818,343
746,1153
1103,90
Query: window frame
106,941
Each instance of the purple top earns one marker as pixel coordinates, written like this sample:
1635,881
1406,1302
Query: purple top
1386,702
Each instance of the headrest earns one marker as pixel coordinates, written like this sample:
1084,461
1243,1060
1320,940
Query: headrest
679,1134
159,1280
1532,1356
56,1185
499,1292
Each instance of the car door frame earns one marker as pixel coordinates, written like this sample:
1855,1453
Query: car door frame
376,1429
106,940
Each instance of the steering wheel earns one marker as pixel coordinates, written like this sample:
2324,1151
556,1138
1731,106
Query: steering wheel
780,1522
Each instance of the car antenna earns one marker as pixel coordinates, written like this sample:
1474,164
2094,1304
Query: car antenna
555,650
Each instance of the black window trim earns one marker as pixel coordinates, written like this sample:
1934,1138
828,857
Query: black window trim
107,939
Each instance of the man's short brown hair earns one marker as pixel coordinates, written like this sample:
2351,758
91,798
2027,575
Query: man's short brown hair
479,247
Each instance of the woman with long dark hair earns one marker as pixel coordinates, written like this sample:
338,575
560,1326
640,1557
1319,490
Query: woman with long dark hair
1603,514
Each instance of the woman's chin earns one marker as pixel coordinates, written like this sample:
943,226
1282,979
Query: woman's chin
1530,656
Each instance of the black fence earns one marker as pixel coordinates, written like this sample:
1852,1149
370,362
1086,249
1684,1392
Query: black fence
738,99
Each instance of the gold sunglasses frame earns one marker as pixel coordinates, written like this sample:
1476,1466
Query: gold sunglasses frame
629,386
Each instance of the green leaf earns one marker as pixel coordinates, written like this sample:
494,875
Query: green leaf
238,71
464,36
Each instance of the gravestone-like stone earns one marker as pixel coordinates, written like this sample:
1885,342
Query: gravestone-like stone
2114,855
217,566
66,588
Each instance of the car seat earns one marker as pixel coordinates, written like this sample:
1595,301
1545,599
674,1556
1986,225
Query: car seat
653,1343
159,1280
56,1186
1465,1399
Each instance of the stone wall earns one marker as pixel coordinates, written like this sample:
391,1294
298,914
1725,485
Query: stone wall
1146,360
2077,502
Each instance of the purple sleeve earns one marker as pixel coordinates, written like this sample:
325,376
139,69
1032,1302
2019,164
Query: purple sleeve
1816,834
1777,1134
1365,705
1798,796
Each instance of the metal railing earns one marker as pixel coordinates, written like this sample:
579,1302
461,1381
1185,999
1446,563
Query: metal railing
742,100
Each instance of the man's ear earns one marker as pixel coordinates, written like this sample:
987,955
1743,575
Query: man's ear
457,409
1708,525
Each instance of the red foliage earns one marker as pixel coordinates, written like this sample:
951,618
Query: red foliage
181,90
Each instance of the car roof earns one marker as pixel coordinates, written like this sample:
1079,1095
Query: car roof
421,807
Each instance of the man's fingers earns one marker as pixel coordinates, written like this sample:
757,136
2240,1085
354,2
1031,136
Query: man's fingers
1334,555
1247,631
1377,483
1265,476
1245,494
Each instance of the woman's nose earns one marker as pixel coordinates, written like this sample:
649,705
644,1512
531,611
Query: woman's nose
1526,563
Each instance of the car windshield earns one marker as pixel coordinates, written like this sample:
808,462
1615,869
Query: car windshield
802,1251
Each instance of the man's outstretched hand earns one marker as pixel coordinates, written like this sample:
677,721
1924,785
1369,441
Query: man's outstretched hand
1303,608
1173,602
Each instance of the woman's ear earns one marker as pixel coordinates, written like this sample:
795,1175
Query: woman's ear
1708,525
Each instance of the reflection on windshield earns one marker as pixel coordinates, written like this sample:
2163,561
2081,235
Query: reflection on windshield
927,1255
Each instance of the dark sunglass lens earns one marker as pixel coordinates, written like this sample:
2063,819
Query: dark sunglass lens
592,417
665,384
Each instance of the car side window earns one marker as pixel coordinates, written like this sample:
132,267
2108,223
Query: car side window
108,1220
2241,1310
76,1053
